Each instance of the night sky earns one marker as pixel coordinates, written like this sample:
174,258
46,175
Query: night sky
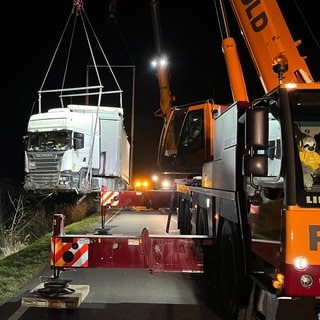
191,40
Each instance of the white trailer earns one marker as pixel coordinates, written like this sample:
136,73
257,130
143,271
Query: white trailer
78,148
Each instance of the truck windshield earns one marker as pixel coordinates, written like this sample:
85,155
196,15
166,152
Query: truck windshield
49,140
307,135
170,139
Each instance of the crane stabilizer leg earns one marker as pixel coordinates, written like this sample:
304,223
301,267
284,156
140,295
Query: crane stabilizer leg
54,287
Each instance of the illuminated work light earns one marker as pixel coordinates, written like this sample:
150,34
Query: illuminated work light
300,263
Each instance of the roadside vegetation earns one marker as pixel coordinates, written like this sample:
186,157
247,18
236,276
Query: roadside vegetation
26,229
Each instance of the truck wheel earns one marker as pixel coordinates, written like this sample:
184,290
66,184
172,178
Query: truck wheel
230,270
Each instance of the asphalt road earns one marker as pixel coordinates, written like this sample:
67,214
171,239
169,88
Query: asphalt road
123,294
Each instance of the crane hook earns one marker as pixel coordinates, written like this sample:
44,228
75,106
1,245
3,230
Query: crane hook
77,5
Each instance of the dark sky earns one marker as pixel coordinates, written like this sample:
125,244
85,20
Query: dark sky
191,40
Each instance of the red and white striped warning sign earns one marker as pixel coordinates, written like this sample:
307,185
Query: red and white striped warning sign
71,252
109,198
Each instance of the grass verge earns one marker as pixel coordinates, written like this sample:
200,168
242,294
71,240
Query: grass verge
19,268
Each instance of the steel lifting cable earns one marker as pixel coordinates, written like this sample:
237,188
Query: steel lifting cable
112,16
307,25
67,61
52,60
89,172
78,10
102,52
88,178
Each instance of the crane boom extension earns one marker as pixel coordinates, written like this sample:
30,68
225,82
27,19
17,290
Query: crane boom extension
270,42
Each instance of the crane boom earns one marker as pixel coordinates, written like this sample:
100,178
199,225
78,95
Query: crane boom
270,43
166,98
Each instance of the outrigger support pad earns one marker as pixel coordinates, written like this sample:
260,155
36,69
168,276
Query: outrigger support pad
54,288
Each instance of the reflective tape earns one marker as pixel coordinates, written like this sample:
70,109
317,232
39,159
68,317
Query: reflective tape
69,252
107,198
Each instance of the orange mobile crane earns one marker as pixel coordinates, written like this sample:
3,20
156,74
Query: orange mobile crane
257,199
252,223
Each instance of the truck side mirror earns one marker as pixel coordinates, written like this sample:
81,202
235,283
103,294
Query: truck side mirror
255,161
257,128
255,165
25,142
78,140
77,143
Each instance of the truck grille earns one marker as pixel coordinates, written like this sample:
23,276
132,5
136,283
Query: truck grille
44,170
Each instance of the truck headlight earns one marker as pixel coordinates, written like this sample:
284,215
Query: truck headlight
300,263
63,180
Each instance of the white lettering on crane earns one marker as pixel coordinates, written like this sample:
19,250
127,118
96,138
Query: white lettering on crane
312,199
